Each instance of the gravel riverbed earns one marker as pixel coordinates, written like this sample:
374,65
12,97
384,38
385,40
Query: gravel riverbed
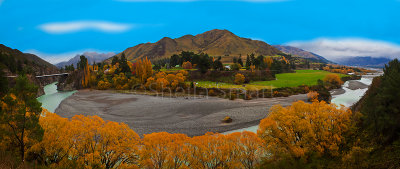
191,116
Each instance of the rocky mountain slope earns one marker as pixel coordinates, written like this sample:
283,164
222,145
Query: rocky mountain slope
215,43
301,53
13,61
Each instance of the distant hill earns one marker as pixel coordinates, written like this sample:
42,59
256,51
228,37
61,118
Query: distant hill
215,43
91,56
364,61
301,53
12,59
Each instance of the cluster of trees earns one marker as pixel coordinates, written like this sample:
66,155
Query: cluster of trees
167,81
15,65
344,69
120,74
278,63
91,142
201,61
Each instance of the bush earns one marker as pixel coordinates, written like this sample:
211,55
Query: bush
333,79
187,65
312,96
227,119
211,93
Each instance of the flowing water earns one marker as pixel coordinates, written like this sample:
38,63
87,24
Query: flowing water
52,98
346,99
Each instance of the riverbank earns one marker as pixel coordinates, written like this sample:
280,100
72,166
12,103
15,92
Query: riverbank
148,114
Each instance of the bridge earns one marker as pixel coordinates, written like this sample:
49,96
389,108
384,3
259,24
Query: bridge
50,75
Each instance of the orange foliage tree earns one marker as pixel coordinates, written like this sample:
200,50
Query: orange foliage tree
164,150
303,128
90,141
164,81
187,65
312,96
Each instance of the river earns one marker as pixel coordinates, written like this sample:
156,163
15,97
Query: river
52,97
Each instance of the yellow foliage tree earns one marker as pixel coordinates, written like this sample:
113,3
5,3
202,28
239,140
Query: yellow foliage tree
239,78
164,150
144,70
333,79
268,61
301,128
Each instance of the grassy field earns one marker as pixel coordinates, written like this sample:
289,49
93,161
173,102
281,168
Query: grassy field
301,77
209,84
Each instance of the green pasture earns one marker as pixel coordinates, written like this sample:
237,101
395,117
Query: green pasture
301,77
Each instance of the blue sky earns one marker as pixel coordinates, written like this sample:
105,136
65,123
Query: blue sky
59,29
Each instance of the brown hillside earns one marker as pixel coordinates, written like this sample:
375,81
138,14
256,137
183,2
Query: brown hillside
215,43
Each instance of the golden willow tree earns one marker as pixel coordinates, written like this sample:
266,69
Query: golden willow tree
143,70
304,128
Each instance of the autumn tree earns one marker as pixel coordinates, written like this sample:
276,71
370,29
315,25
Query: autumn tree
312,96
105,144
303,128
211,150
239,78
187,65
164,150
56,146
333,79
143,70
248,149
268,61
20,113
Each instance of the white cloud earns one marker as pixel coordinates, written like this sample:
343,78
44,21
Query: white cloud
55,58
344,47
201,0
75,26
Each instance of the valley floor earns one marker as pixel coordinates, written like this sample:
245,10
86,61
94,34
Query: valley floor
191,116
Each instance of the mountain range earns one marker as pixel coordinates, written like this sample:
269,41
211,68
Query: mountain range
214,42
91,56
297,52
364,61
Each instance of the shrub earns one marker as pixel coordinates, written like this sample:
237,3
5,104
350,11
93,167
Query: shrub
239,79
211,92
333,79
227,119
312,96
103,85
187,65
